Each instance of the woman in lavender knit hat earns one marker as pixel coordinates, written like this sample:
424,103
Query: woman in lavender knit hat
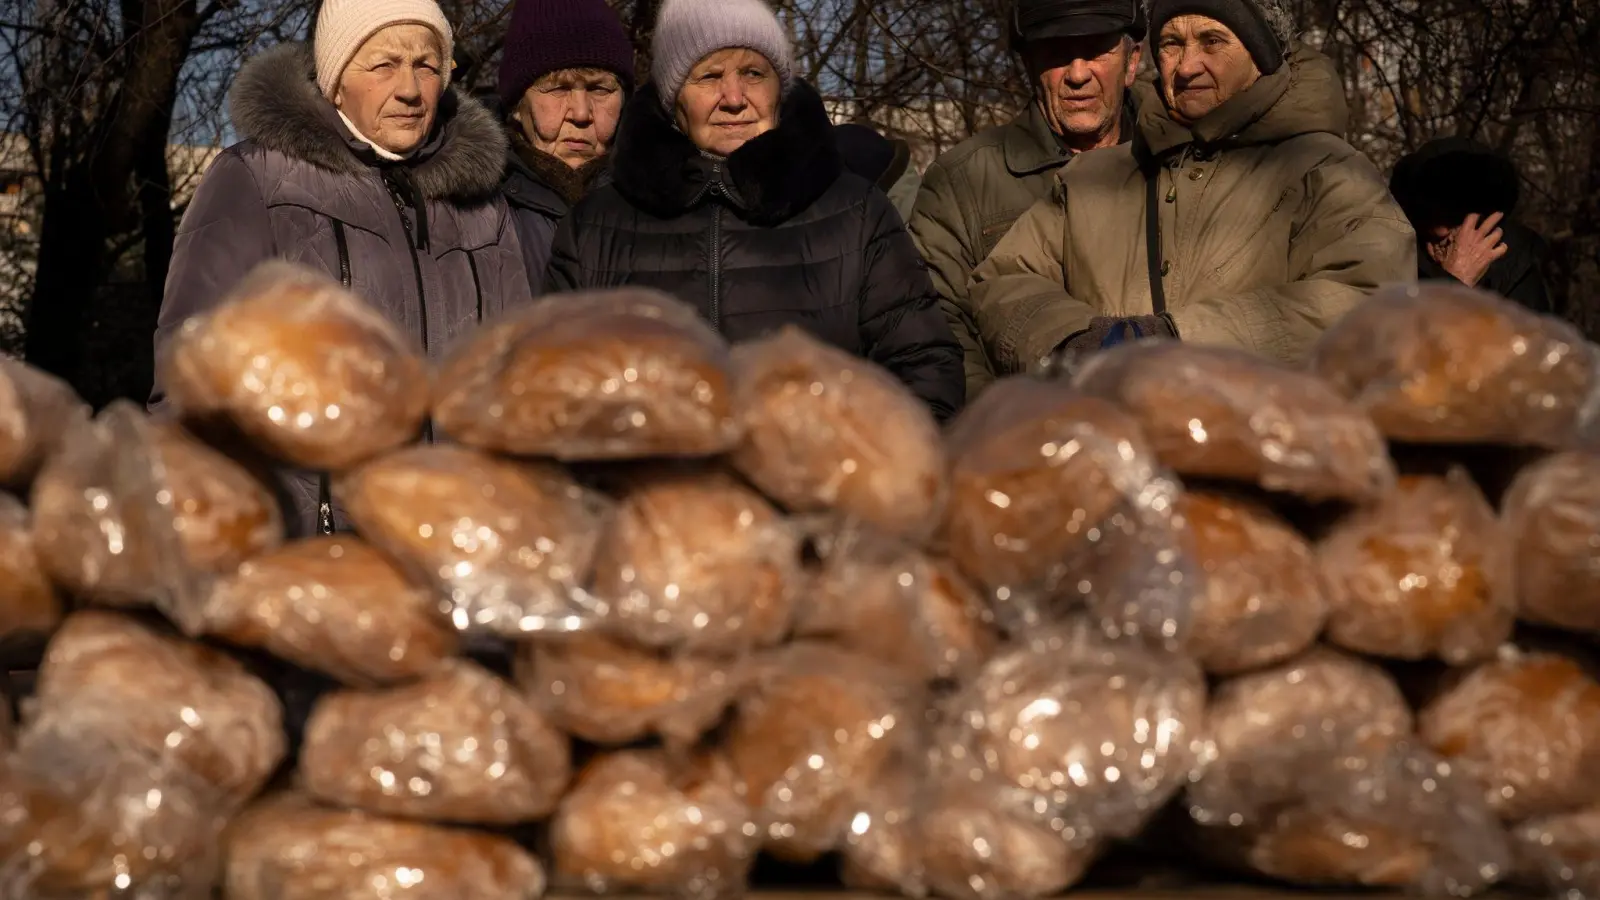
728,192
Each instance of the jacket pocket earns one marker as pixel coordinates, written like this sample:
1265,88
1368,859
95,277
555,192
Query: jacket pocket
1247,250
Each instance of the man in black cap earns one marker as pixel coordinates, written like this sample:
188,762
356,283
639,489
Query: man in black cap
1082,57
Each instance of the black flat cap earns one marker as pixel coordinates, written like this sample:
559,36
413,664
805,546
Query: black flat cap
1039,19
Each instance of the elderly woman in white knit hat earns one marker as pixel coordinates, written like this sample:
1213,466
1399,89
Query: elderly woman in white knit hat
728,192
358,159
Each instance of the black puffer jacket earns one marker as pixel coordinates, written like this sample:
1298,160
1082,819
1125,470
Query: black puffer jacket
776,234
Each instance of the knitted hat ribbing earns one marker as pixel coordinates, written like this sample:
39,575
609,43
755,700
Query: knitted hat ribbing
689,30
344,25
551,35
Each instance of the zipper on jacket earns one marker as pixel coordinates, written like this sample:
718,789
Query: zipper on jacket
714,254
416,268
324,488
477,286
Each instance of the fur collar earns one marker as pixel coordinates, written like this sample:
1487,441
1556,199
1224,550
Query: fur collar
768,180
275,103
570,184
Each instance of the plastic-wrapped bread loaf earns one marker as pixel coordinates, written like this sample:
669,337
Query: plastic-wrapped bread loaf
508,543
827,431
288,848
336,606
28,601
1425,573
303,368
624,374
1553,515
1056,500
1217,413
1263,600
459,746
882,848
1560,854
694,559
1442,363
1524,728
637,820
976,847
36,412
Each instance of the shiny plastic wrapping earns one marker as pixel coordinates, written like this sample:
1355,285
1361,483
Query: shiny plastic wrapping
641,821
608,691
827,431
624,374
882,849
36,412
288,848
508,544
1552,513
1425,573
977,847
1225,414
1263,599
1526,729
1091,735
459,746
1560,854
302,367
336,606
28,601
694,559
136,512
1057,500
813,735
1442,363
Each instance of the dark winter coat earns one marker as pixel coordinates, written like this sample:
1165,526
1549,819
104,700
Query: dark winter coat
776,234
428,241
541,190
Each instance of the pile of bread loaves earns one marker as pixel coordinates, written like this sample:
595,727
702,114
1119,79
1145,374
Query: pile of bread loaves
758,603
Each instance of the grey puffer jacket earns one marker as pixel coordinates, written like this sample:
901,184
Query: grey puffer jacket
428,241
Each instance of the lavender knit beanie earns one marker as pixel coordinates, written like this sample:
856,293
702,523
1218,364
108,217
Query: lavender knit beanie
689,30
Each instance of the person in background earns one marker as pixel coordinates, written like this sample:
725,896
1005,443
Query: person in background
1082,57
1460,196
566,72
886,162
1238,216
728,193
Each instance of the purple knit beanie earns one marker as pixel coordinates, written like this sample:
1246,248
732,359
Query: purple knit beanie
551,35
688,31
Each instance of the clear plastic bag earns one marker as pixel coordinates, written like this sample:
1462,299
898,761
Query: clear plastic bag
336,606
882,849
1440,363
975,846
1218,413
459,746
1552,513
1560,854
693,559
36,412
827,431
28,601
160,698
641,821
1263,600
1526,729
609,692
508,544
623,374
135,512
813,735
1057,500
302,367
1086,733
288,848
1425,573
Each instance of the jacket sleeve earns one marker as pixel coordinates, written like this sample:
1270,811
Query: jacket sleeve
224,234
566,266
901,326
940,235
1351,239
1019,293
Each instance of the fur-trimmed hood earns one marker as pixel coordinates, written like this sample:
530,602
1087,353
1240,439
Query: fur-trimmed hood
275,103
770,179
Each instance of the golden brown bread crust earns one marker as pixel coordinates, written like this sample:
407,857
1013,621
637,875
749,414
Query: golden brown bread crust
304,368
973,848
460,746
28,601
1225,414
222,513
36,412
1307,847
624,374
826,431
1560,854
1553,515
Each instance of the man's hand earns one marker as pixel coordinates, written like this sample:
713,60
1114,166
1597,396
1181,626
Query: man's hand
1471,248
1109,331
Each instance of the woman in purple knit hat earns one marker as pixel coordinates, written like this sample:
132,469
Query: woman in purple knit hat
565,73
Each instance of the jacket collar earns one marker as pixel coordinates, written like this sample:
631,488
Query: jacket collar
538,181
768,180
275,103
1030,145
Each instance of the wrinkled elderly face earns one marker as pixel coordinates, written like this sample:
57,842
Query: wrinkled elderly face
730,97
392,86
1080,83
1203,65
572,115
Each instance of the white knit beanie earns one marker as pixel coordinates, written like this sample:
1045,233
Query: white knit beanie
688,31
344,25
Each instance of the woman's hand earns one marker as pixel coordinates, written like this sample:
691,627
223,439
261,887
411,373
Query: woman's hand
1471,248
